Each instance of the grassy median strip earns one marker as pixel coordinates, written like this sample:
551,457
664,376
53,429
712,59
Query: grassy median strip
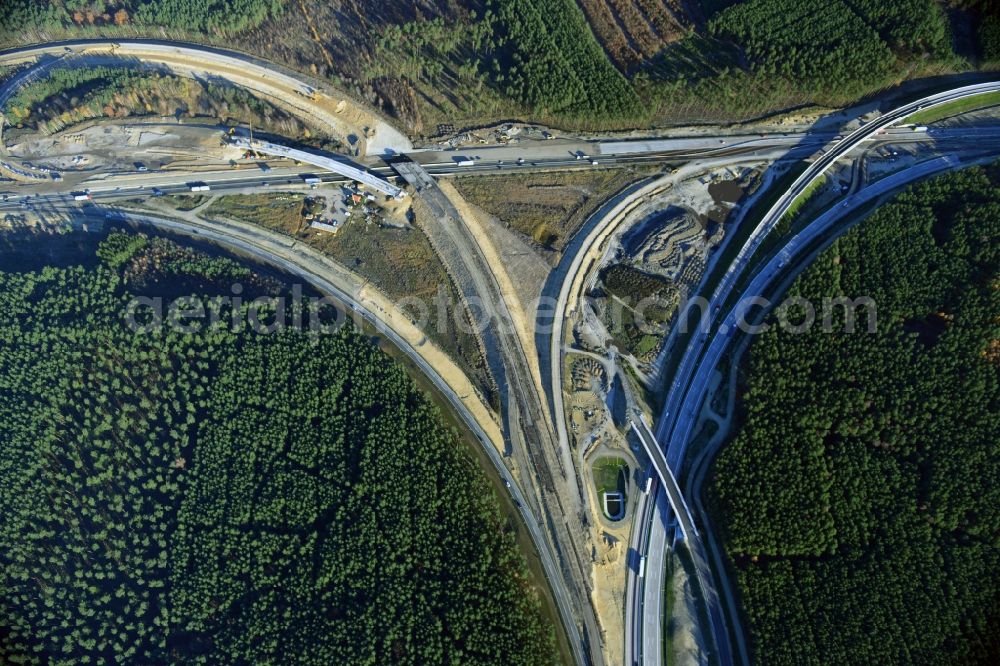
955,108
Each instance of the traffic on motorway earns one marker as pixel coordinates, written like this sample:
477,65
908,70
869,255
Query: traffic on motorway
663,505
689,384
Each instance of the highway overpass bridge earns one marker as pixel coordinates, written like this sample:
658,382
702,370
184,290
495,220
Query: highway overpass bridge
326,163
695,546
685,522
690,381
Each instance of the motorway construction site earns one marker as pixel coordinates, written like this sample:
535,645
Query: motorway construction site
561,378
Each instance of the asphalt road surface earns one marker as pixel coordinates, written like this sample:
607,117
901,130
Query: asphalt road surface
690,382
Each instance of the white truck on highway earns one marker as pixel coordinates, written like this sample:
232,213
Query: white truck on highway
81,196
465,161
199,187
642,566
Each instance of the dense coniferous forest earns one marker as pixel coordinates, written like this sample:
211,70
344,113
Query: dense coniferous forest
92,92
217,17
67,96
555,64
479,61
819,43
220,496
538,54
860,498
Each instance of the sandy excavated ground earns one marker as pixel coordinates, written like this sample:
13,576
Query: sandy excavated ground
521,272
610,561
362,128
667,249
674,238
521,313
694,194
520,259
686,642
610,565
610,568
598,438
343,116
609,590
115,143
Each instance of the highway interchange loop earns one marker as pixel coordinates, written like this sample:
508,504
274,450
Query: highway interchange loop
674,428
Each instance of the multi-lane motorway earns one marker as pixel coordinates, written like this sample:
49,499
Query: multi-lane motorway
674,417
689,384
526,423
128,184
547,156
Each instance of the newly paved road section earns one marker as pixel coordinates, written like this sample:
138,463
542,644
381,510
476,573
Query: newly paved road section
677,503
652,577
678,417
649,601
695,546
